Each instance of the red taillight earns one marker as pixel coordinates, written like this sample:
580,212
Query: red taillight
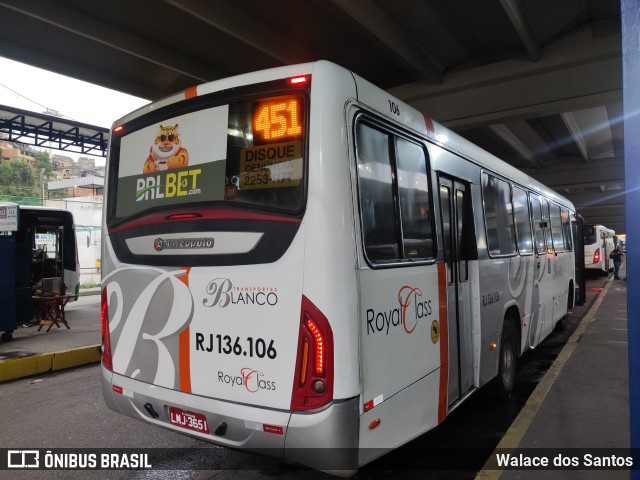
596,256
313,383
299,80
183,216
106,338
118,129
319,346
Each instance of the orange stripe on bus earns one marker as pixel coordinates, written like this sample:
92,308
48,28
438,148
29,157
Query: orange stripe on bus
184,359
191,92
444,343
428,123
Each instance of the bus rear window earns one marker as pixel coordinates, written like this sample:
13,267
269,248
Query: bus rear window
247,152
590,235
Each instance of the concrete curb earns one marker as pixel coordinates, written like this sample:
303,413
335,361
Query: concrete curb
14,368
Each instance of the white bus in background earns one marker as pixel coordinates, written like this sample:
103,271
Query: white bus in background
599,241
295,260
44,260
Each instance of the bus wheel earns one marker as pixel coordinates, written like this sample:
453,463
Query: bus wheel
504,382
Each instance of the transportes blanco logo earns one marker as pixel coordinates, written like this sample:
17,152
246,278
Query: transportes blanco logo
222,293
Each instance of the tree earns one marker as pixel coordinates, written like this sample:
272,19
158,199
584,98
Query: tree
25,173
43,160
6,179
18,178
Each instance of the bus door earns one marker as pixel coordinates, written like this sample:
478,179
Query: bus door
543,287
577,228
458,241
607,248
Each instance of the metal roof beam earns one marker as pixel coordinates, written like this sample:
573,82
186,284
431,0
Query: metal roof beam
598,199
243,28
607,220
367,14
522,26
89,28
603,186
569,77
508,137
605,170
37,129
538,140
571,124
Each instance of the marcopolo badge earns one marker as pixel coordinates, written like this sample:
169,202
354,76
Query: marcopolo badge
185,243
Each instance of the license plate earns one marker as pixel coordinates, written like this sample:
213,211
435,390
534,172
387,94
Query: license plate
189,420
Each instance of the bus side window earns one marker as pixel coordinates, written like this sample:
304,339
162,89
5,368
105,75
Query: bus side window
375,181
547,225
463,266
498,215
566,229
537,225
523,224
445,201
556,228
413,193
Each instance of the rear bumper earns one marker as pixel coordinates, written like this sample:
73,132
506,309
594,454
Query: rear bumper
594,266
325,439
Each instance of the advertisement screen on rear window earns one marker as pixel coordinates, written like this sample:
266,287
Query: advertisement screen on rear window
246,152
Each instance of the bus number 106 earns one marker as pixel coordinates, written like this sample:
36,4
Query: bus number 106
394,108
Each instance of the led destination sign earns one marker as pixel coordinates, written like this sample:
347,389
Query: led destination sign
277,119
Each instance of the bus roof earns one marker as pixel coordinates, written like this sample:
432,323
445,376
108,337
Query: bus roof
369,94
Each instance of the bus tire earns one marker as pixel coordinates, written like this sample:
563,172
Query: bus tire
562,323
507,362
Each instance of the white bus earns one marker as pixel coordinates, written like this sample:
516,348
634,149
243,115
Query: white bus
50,235
599,242
294,260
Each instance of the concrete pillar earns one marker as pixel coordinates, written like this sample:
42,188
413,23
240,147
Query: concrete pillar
630,10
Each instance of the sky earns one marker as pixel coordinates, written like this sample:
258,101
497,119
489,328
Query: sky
36,90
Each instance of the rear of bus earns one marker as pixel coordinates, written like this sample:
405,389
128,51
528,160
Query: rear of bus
218,321
49,236
597,247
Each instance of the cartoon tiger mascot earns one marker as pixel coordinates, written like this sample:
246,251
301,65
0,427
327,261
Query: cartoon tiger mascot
166,151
